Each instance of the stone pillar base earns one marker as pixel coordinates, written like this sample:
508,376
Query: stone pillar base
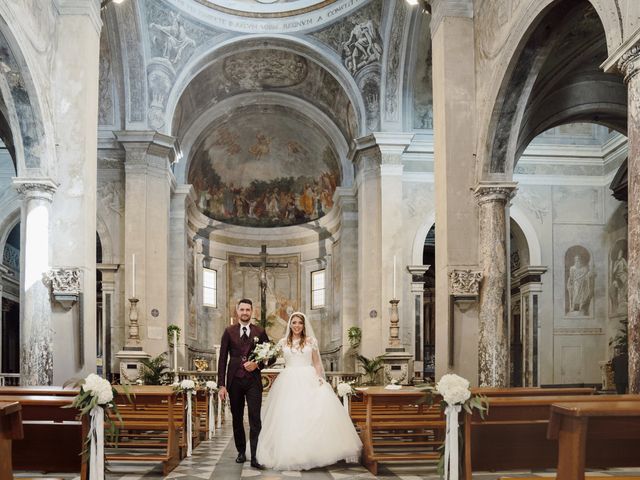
398,365
130,363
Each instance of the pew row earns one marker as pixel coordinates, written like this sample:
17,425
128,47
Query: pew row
10,429
53,437
513,434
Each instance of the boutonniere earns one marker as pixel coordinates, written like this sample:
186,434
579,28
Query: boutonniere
256,339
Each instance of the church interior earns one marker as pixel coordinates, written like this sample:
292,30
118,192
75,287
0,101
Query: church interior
441,186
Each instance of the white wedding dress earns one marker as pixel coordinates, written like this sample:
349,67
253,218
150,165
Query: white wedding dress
304,424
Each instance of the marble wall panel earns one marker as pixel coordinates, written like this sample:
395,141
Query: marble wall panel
578,205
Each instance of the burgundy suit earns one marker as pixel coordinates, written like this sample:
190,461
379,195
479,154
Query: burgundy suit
240,383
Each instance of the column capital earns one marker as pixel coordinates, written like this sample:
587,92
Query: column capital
417,272
629,63
494,191
137,143
33,188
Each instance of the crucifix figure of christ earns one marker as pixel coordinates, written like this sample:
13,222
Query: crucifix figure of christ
262,266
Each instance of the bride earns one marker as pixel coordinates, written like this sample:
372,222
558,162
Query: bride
304,425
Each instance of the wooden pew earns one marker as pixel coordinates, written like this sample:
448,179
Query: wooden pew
10,429
513,434
149,423
53,436
45,390
597,434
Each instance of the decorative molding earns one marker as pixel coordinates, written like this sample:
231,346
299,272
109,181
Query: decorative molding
464,283
91,8
418,272
65,285
495,191
611,63
578,331
36,188
629,63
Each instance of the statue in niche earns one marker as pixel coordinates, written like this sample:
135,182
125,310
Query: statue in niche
618,281
362,47
175,38
579,284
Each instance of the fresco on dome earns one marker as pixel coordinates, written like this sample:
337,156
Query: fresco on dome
265,169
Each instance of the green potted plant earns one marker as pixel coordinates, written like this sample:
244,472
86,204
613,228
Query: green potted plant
155,371
354,335
371,367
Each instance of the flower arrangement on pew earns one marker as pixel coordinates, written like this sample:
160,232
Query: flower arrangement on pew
456,396
344,391
188,387
212,389
96,399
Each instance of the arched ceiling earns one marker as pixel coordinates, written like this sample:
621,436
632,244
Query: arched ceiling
264,166
261,67
266,8
557,80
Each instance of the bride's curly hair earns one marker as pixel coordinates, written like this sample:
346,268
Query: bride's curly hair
303,335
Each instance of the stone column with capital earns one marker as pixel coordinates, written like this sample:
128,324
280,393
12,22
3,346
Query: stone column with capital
36,323
629,64
148,185
493,343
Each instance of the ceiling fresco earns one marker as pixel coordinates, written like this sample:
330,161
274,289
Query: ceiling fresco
264,166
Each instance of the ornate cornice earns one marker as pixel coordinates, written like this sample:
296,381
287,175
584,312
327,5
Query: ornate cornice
464,283
448,8
494,192
629,63
64,281
90,8
36,188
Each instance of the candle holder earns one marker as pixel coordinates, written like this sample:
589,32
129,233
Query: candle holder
133,337
394,324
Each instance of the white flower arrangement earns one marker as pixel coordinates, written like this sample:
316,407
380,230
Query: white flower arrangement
454,389
99,389
344,389
264,351
256,339
187,385
211,385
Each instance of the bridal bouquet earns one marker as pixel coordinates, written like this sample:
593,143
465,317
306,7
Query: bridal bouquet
264,352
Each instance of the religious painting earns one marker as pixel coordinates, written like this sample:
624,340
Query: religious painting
281,282
192,318
265,168
618,276
579,282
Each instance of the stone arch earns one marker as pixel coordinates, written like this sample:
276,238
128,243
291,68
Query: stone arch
105,240
325,59
531,34
530,235
28,126
420,236
7,224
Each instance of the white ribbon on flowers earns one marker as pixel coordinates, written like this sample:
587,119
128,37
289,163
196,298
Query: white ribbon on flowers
345,403
212,415
96,444
451,464
189,420
219,421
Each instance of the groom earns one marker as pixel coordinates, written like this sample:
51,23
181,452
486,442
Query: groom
242,380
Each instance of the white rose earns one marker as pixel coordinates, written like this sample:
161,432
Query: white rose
211,385
92,383
454,389
344,389
105,395
187,385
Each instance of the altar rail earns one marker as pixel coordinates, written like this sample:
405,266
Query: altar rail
268,376
9,379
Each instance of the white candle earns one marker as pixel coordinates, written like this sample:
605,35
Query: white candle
394,277
133,275
175,352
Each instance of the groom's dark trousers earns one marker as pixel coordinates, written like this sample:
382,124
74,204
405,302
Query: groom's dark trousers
242,385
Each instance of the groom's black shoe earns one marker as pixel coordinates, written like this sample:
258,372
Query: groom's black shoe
256,465
241,458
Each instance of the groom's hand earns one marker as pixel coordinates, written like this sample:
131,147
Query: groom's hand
250,366
222,393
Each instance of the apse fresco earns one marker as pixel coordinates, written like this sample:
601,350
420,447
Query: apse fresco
269,168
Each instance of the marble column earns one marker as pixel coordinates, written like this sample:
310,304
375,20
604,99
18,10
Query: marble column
493,343
36,327
629,64
148,184
109,317
181,200
417,293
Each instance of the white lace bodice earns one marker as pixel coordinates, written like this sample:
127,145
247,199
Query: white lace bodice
296,357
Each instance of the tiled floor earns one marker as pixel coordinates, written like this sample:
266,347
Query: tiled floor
215,459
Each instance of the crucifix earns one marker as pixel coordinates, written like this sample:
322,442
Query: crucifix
262,266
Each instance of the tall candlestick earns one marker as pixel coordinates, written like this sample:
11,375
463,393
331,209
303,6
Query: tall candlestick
133,275
394,276
175,353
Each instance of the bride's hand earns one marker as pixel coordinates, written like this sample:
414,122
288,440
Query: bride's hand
320,381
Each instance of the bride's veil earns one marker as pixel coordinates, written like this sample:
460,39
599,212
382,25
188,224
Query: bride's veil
308,329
